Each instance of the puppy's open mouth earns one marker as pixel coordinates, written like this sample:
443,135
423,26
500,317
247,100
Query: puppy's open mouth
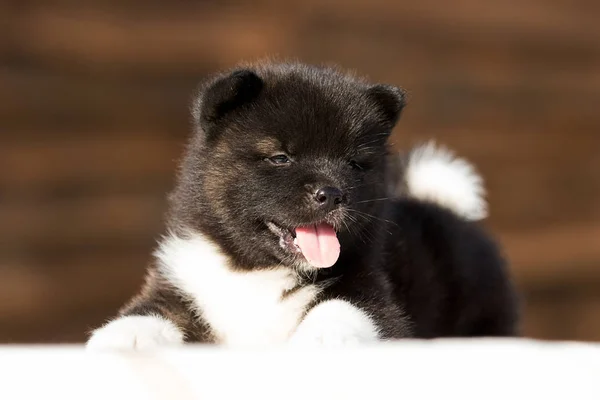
318,243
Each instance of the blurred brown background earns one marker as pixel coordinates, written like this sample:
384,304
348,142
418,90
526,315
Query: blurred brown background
93,115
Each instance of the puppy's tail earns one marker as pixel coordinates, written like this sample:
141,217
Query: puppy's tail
434,174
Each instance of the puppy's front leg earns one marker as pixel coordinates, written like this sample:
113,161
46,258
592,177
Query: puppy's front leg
135,332
157,317
335,323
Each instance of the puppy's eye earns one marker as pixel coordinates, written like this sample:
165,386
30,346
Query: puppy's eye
355,165
280,159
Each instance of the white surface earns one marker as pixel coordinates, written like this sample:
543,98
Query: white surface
449,369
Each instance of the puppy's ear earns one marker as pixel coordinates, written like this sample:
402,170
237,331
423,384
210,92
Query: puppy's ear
389,99
224,95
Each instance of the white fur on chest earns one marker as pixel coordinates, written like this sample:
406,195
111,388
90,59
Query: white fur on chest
242,308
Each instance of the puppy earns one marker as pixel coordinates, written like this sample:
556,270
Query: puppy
291,222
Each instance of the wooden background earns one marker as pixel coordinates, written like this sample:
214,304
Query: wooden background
93,113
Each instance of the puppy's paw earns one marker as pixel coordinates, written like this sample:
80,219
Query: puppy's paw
135,333
335,323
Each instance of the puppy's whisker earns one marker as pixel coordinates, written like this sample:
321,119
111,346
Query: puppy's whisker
370,218
357,186
369,201
373,216
368,143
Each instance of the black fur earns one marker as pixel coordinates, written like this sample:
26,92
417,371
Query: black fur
419,269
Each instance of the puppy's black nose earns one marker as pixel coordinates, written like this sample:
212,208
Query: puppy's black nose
329,197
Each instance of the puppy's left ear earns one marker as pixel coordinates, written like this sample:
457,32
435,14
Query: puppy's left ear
224,95
389,99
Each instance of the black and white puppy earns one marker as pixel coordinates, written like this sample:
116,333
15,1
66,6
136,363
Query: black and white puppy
291,222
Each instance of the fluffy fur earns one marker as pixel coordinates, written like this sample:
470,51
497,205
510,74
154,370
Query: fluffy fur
136,332
335,323
256,314
267,140
434,174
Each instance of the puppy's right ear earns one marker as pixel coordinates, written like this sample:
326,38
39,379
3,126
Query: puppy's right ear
389,99
223,95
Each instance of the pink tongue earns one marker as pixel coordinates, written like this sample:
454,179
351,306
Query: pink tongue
319,244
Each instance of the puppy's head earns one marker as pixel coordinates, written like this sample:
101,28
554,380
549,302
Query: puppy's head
287,161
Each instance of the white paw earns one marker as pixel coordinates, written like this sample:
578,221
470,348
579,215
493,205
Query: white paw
135,333
335,323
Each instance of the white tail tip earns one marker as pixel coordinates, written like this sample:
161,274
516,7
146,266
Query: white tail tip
434,174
